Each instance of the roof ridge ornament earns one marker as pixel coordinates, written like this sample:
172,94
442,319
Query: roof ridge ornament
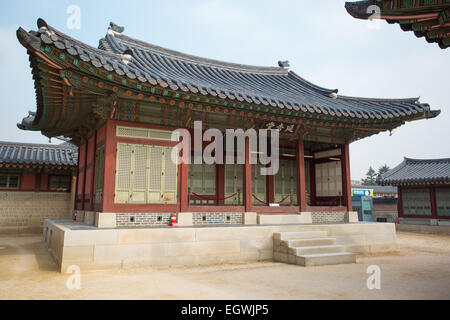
114,27
284,64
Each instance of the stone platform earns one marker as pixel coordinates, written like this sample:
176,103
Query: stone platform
75,243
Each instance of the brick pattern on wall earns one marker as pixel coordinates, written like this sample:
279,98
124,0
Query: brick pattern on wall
26,211
142,219
217,218
327,217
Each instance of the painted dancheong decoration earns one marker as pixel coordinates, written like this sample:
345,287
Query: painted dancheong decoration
426,18
119,103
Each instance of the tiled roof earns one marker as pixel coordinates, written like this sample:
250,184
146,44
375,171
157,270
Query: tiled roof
414,171
275,86
12,153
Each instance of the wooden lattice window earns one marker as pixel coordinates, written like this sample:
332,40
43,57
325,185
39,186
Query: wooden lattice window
416,202
443,201
258,185
285,183
9,181
59,183
233,183
202,181
145,174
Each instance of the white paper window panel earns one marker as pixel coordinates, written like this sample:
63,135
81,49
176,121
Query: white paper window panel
144,183
123,166
143,133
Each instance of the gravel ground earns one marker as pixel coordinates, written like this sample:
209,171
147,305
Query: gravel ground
420,269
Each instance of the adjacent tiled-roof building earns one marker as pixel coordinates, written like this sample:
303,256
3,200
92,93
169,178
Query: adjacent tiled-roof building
37,155
415,171
423,190
37,182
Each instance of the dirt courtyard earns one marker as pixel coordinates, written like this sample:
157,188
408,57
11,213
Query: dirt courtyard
420,269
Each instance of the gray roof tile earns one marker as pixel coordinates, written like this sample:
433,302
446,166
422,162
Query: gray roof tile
415,171
15,153
277,86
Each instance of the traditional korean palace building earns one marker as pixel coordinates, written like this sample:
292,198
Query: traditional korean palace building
37,181
121,101
426,18
423,190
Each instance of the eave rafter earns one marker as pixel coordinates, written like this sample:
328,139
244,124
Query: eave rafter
429,19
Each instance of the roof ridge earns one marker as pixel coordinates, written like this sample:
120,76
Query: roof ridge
196,59
411,160
410,100
29,144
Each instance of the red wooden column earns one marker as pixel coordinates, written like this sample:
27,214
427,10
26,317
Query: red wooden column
110,168
301,181
399,202
247,183
433,203
84,175
220,183
346,184
93,165
184,189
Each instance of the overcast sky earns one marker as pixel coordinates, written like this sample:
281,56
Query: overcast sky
322,42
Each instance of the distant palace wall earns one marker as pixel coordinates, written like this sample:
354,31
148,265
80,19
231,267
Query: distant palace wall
24,212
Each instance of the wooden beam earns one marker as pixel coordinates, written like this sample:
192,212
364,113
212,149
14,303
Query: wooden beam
346,183
301,187
247,183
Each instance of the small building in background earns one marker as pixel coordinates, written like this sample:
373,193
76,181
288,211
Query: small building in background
375,203
37,181
423,190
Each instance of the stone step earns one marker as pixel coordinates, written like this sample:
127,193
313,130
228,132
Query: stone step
316,249
309,260
299,235
308,242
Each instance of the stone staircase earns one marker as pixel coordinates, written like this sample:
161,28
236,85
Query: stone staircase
309,248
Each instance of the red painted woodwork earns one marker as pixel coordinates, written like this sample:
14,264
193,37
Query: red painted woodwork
110,168
44,182
89,174
433,202
184,187
220,183
270,189
27,181
312,179
400,202
301,187
80,178
346,183
111,141
247,183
